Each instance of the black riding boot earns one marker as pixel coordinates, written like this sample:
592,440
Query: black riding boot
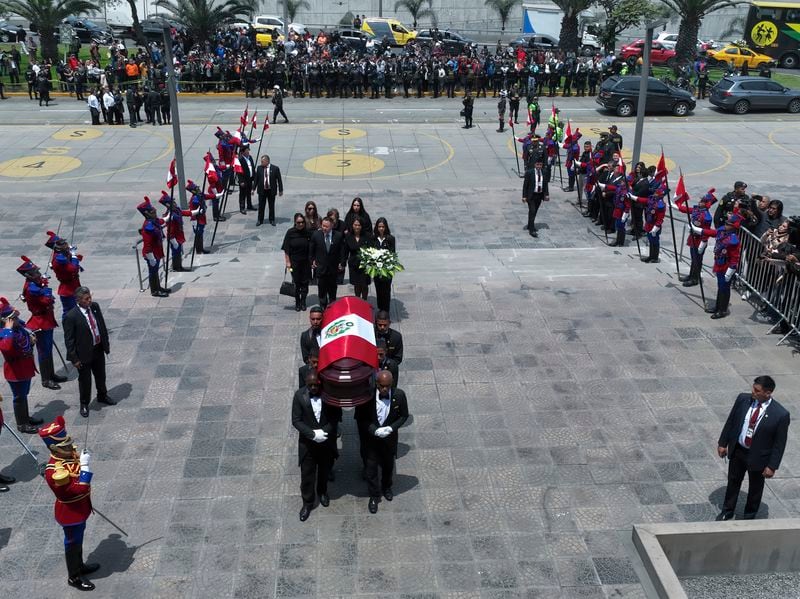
24,424
72,556
620,240
48,376
155,288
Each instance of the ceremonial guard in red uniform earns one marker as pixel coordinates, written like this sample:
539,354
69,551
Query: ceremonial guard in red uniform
153,246
39,298
66,265
654,210
174,217
197,205
16,344
69,477
699,216
726,260
551,149
617,188
573,149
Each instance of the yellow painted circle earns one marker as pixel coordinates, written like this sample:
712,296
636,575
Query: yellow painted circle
343,165
77,134
342,133
29,167
764,33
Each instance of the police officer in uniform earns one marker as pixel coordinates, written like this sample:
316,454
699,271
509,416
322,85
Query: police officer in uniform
614,140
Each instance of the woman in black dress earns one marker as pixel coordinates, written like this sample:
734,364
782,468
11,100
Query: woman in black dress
384,240
312,217
356,239
295,255
357,210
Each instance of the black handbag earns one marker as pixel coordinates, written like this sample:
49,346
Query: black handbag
287,287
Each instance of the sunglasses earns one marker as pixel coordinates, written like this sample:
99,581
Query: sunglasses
299,222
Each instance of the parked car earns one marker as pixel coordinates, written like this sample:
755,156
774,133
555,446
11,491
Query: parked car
8,32
273,20
738,55
355,38
670,40
152,27
452,41
620,93
535,41
89,31
266,35
659,55
742,94
392,29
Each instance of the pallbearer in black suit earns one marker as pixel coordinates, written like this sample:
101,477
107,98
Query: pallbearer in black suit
753,438
394,339
310,338
316,447
534,190
383,240
378,422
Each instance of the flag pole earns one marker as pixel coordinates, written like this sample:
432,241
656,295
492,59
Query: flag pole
671,217
514,138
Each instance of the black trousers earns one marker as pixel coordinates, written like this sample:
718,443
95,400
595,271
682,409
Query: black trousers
245,197
265,198
379,455
96,367
326,287
315,465
383,292
737,467
533,208
279,111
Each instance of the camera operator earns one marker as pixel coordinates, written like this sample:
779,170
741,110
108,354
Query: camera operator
727,202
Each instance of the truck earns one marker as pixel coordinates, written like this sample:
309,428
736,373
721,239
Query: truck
544,17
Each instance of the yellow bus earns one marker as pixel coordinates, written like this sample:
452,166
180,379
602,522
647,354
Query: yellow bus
773,28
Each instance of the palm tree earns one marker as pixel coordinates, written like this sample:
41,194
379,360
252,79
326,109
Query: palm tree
414,7
692,13
203,17
47,14
569,39
503,9
293,7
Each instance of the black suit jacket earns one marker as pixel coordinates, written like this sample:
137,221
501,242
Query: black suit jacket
304,421
308,342
367,419
327,262
529,186
394,344
769,440
78,335
275,181
388,243
248,172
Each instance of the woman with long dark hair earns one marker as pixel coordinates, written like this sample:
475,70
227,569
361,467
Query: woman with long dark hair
357,210
295,256
384,240
312,216
358,237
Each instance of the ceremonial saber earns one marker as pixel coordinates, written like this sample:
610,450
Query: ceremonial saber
194,240
21,442
53,252
514,138
107,519
700,254
671,221
60,355
75,218
169,247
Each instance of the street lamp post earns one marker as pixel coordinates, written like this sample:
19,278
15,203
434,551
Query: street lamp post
176,119
642,102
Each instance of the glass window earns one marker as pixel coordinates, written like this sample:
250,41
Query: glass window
657,86
769,13
792,15
724,84
746,52
732,51
752,86
774,87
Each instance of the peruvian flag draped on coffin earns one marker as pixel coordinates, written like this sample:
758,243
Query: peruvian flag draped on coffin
347,353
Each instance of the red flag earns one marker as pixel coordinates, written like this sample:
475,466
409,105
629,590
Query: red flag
621,165
172,176
568,132
661,169
237,166
243,118
255,112
680,191
511,122
266,123
554,114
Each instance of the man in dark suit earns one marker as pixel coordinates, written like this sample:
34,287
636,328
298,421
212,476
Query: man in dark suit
326,254
534,190
268,183
378,422
753,439
394,339
309,339
246,180
316,447
86,339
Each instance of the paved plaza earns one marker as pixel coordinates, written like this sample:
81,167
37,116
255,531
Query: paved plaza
560,390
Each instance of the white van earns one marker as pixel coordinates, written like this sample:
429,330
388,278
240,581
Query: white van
273,20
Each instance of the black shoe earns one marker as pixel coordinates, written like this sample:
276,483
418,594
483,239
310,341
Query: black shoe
373,505
684,278
85,410
388,495
645,258
221,219
717,315
724,516
324,500
525,228
297,307
7,480
259,223
58,379
691,282
89,568
534,234
51,385
27,429
272,222
35,421
106,400
304,308
249,207
4,489
305,512
80,584
242,212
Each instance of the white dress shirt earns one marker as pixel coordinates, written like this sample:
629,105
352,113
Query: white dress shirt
382,407
94,329
316,405
746,423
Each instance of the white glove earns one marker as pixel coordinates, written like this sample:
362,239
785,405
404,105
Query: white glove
602,186
702,247
625,217
383,431
655,230
696,230
151,259
85,457
729,274
195,212
320,435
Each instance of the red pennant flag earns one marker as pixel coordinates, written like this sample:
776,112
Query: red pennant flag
172,176
554,113
511,122
243,118
237,166
661,169
255,122
680,191
568,132
266,123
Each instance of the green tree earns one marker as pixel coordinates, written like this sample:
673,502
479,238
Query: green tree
47,14
202,17
692,13
503,9
293,7
569,39
622,15
415,8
